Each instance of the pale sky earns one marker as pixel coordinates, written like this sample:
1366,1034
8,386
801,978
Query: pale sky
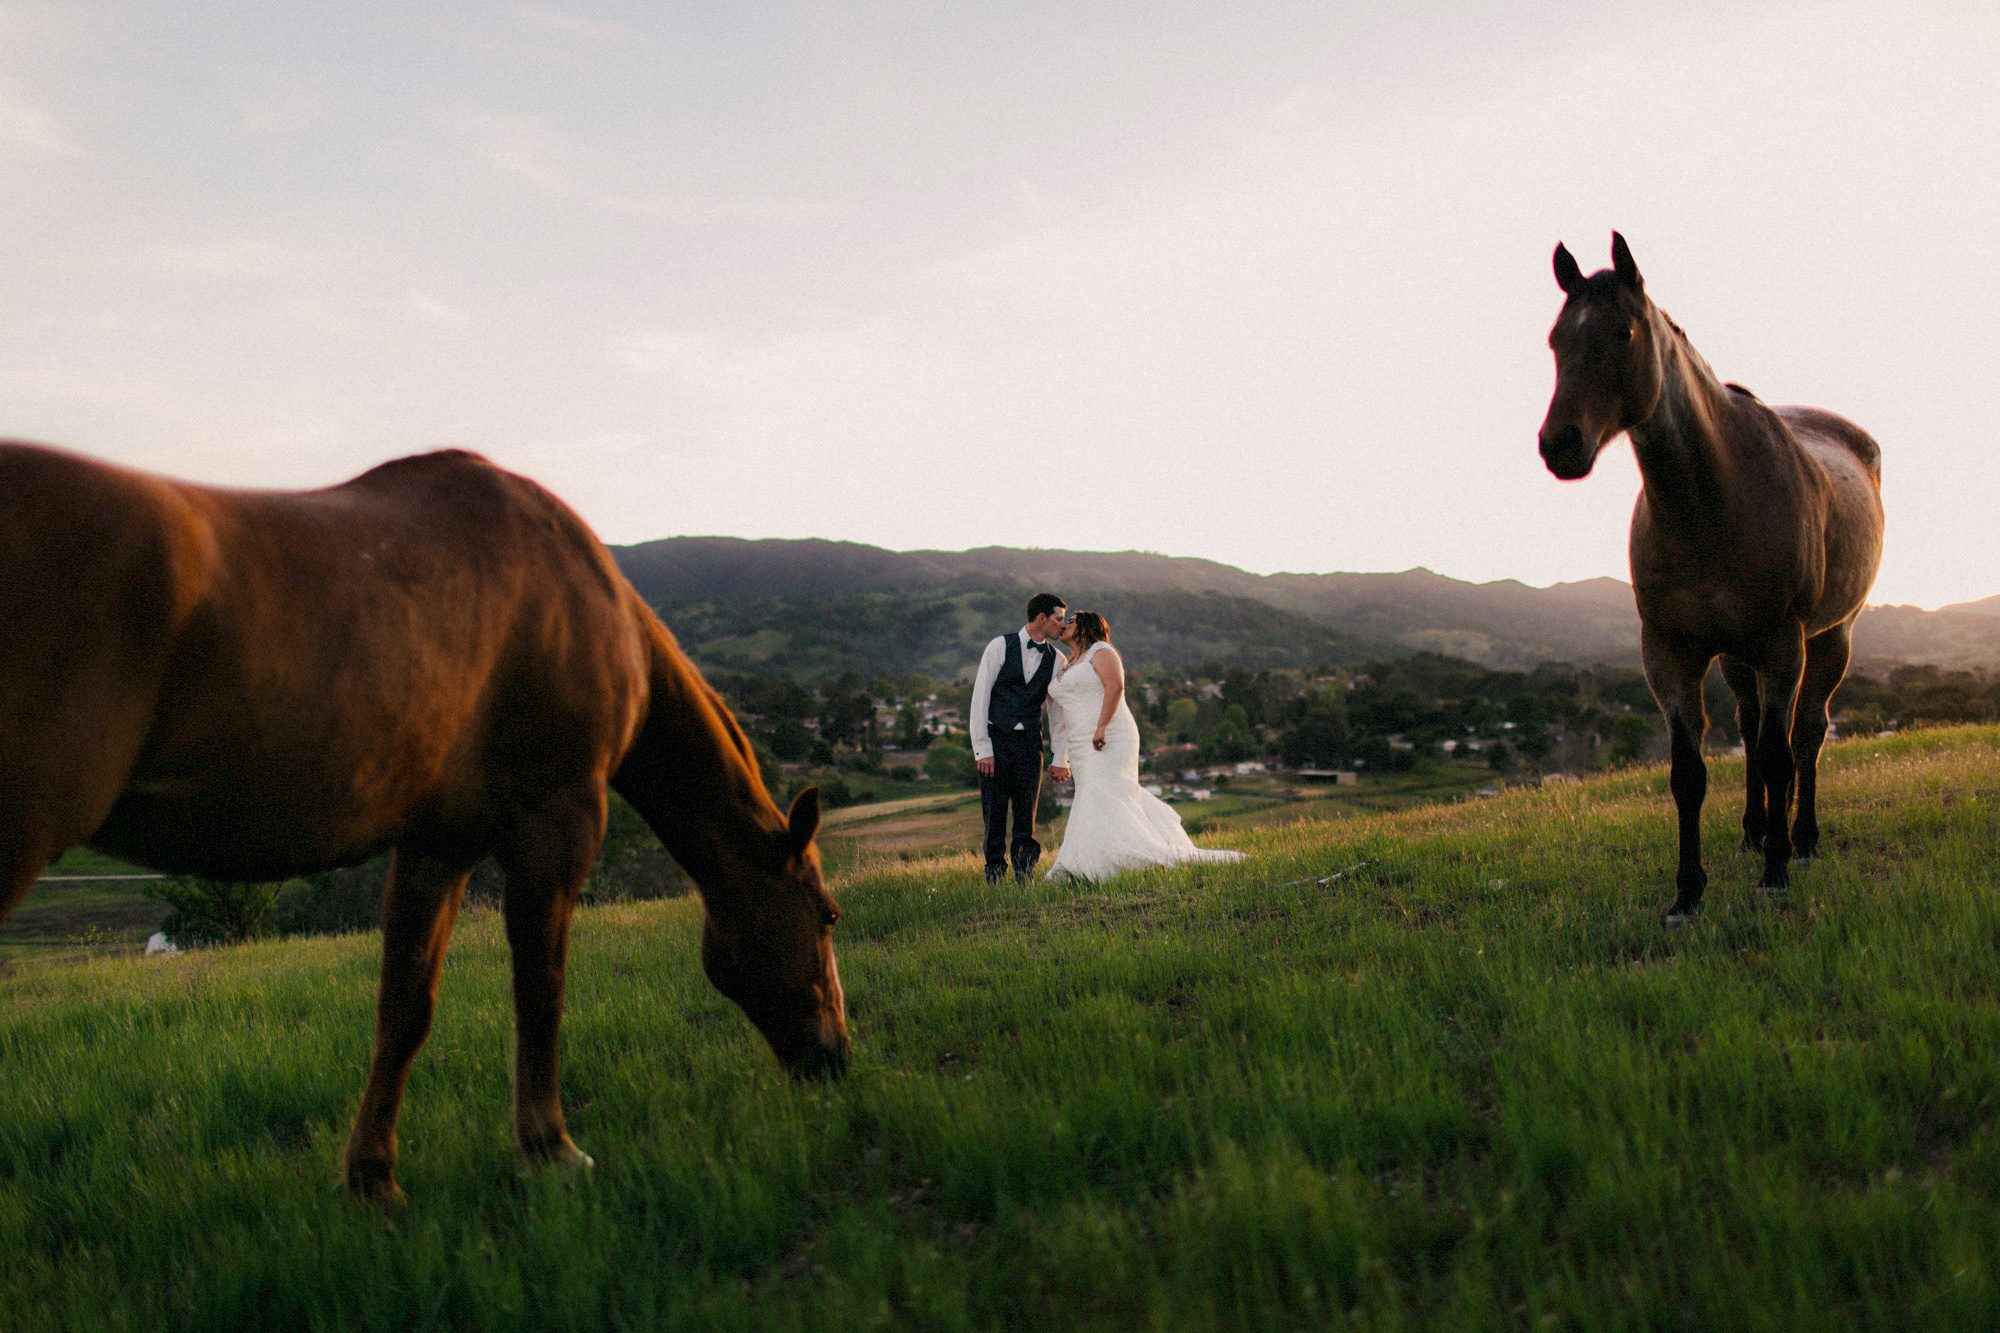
1264,283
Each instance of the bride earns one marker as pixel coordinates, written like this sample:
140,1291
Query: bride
1115,824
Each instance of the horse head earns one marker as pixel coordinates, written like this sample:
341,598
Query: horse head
767,944
1608,371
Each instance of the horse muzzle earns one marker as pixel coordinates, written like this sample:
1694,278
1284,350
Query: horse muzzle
822,1061
1567,454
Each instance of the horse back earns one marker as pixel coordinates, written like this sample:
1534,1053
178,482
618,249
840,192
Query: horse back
1834,439
416,653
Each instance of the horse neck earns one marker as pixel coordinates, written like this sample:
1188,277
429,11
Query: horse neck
690,773
1683,453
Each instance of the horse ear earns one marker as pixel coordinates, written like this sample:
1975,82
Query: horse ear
1622,265
803,821
1568,276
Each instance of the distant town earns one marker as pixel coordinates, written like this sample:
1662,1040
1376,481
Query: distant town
1205,727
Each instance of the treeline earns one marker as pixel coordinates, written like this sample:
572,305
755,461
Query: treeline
1393,714
938,632
1913,696
1385,714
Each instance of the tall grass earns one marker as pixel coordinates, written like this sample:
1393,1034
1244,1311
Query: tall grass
1470,1082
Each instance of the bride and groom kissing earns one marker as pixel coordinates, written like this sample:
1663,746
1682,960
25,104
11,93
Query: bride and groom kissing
1064,665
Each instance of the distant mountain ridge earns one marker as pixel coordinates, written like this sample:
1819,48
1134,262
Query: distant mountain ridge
789,604
1985,606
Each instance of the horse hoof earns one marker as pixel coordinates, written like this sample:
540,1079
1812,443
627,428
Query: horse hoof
1678,918
375,1188
562,1159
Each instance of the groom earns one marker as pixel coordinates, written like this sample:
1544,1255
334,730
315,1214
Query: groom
1008,696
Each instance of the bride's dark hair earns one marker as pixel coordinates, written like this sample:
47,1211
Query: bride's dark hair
1090,628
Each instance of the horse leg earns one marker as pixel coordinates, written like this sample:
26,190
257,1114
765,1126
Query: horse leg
1783,667
39,820
1675,676
1826,667
418,909
1743,684
22,860
547,858
48,805
26,847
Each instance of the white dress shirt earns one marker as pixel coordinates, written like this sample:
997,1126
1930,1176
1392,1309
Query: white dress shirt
990,663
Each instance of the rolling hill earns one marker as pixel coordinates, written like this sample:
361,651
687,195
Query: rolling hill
814,608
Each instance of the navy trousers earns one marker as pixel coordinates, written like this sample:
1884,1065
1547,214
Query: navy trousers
1007,799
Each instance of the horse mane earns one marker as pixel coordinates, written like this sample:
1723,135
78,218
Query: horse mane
686,721
731,728
1688,349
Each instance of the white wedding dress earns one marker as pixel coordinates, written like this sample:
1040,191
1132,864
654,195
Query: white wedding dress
1114,824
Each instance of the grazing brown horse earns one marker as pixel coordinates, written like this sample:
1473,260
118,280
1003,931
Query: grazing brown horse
1755,539
438,658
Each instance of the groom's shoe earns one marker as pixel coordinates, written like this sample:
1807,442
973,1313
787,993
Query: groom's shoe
1025,870
994,874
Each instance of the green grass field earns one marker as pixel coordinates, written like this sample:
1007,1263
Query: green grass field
1470,1083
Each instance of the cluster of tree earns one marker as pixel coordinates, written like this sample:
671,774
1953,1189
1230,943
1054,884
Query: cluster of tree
833,737
1914,696
797,724
1391,714
1385,714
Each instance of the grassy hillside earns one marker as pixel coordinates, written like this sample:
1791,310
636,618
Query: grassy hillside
940,635
1469,1083
861,838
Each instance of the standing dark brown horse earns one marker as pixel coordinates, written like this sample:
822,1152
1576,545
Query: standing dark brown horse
1755,538
437,657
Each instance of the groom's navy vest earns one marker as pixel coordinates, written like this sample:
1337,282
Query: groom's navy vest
1018,697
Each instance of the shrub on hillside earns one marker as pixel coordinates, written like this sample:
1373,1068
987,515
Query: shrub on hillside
206,912
948,761
332,903
834,790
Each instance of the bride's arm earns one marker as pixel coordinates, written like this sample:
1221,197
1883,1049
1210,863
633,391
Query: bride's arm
1058,739
1111,671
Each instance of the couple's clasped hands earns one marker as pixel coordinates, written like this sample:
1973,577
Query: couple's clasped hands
1061,772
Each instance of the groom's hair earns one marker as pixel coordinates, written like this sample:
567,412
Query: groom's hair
1044,602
